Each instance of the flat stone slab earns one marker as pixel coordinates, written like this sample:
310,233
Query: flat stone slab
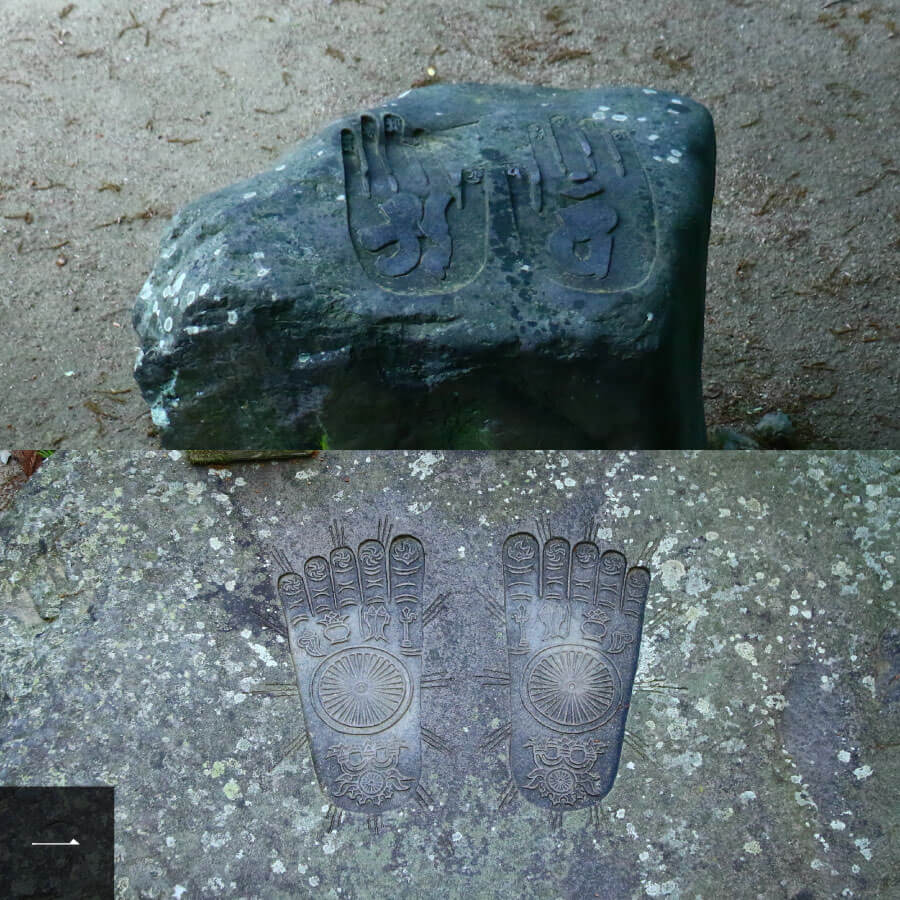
144,643
463,266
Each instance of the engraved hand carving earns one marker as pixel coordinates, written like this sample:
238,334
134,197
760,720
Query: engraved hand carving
417,223
579,192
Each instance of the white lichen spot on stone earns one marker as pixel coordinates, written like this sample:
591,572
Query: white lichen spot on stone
862,844
863,772
747,796
705,708
619,117
671,573
263,654
231,789
232,317
204,288
313,880
230,586
167,325
753,848
843,756
874,490
278,867
837,825
746,651
249,195
841,569
423,465
461,552
215,543
159,416
261,273
869,682
175,455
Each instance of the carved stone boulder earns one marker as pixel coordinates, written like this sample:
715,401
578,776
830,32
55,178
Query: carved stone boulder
464,266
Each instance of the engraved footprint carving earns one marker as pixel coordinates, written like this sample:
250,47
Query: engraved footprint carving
583,206
573,622
355,624
418,225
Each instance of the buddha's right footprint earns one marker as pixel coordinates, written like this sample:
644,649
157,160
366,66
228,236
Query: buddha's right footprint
573,625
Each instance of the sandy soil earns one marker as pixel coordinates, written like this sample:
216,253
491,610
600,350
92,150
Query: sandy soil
115,114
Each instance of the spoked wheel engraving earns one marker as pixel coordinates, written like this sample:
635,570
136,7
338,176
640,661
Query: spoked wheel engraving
361,690
569,688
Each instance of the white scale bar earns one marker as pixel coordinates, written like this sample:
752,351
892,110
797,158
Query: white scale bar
72,843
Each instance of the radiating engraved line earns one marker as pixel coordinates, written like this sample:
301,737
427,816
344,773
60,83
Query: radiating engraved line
435,607
274,689
491,677
435,741
493,607
506,794
424,799
334,815
295,744
493,740
436,680
336,530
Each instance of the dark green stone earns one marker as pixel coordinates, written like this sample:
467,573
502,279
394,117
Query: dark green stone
467,265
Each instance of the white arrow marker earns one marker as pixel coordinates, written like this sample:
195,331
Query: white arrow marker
72,843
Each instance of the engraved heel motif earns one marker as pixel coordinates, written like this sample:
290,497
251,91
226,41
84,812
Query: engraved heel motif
355,635
573,621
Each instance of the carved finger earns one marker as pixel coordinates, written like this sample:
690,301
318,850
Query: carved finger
381,178
407,578
585,566
345,577
318,579
610,578
356,167
575,150
555,570
637,585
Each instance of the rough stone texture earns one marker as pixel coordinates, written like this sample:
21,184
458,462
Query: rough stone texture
139,608
464,266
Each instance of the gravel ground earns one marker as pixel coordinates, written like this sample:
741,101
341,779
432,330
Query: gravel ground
117,114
